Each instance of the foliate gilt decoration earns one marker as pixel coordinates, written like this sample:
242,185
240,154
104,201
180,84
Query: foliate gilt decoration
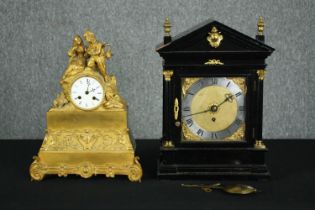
215,37
86,140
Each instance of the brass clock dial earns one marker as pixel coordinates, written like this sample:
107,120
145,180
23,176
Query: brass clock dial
87,93
213,109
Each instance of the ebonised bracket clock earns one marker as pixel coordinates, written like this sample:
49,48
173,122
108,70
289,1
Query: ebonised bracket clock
213,81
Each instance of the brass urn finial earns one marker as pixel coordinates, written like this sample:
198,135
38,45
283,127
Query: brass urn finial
260,26
214,30
167,27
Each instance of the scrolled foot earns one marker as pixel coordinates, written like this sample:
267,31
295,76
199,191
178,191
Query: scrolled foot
135,171
37,170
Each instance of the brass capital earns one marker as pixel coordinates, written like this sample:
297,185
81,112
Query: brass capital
168,74
261,74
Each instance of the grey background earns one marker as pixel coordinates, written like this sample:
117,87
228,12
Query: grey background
36,35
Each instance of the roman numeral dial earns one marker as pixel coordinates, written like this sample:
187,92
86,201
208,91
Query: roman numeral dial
214,109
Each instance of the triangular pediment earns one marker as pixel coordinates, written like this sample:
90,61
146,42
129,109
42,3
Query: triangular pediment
196,40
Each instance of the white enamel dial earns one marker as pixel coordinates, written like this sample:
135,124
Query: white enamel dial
87,93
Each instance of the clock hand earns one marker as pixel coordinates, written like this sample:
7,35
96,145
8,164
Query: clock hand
88,85
198,112
213,108
93,89
94,98
225,100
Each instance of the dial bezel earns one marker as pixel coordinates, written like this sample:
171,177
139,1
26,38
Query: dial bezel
97,79
221,135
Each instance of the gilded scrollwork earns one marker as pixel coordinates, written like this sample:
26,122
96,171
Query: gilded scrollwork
37,169
86,169
87,140
238,135
135,171
214,62
241,82
187,82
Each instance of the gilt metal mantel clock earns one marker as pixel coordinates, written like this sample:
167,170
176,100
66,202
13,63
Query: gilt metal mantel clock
87,132
212,102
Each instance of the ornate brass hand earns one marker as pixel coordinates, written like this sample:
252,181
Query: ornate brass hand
207,110
214,108
228,97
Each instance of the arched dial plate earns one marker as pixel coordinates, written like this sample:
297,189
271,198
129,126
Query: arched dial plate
213,108
87,93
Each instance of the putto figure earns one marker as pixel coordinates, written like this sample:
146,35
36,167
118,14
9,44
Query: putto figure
97,54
